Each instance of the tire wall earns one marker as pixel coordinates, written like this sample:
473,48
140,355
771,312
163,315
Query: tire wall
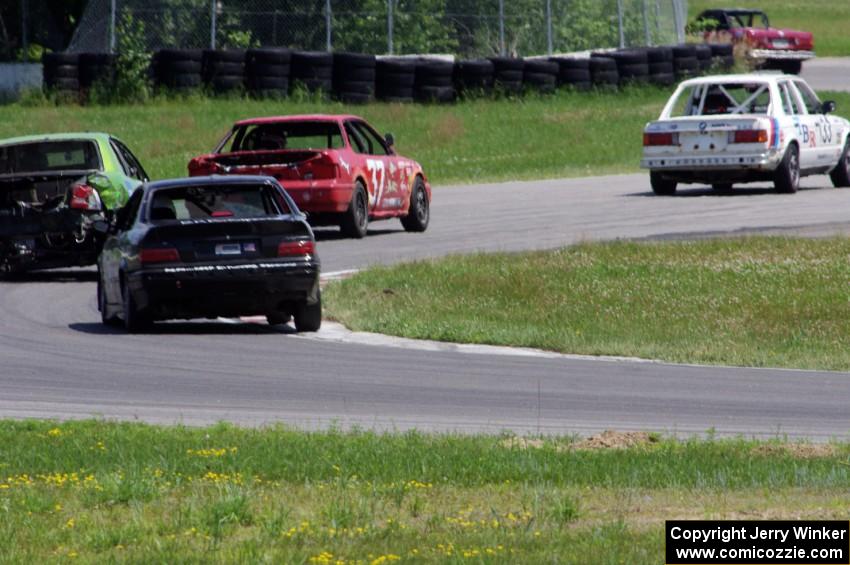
355,78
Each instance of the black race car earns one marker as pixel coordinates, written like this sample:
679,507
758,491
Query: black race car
209,247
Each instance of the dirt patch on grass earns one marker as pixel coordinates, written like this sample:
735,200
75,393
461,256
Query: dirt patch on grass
611,439
796,450
447,129
522,443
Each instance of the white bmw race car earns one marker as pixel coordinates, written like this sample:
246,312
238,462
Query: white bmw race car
727,129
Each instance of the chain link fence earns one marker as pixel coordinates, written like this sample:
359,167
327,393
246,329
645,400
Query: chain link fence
467,28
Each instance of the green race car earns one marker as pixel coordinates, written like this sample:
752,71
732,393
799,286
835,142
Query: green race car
53,188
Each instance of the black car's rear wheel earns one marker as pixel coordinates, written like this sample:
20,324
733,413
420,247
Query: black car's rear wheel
308,317
134,320
106,317
722,187
420,211
355,221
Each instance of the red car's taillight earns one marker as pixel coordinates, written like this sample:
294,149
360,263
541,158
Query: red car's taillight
295,248
84,197
749,136
652,139
199,167
159,255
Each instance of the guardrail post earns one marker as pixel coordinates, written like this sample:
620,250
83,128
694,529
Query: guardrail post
549,27
647,35
658,18
390,26
328,26
112,9
502,27
620,23
212,24
679,19
25,41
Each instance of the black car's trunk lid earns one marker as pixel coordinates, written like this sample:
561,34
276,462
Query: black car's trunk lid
225,239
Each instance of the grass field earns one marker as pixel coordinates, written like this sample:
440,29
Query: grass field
826,19
532,137
570,134
95,491
751,302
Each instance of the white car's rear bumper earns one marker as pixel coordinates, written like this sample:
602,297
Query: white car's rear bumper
759,161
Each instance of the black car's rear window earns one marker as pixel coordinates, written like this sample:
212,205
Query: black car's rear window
46,156
220,201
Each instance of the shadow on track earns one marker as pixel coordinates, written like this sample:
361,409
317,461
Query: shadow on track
336,235
53,276
708,191
187,328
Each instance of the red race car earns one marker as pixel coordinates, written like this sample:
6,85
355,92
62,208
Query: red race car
335,167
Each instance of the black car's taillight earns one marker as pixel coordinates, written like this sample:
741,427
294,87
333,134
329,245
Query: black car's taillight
159,255
295,248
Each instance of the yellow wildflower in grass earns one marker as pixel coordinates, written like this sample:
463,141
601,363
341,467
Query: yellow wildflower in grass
379,560
324,558
414,484
54,432
222,478
70,523
212,452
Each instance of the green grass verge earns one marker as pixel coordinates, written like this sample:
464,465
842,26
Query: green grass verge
569,134
750,301
531,137
98,491
826,19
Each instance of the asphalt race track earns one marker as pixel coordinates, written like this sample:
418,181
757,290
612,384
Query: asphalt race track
59,361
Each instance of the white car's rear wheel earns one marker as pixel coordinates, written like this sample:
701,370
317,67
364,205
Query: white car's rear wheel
840,175
660,185
786,179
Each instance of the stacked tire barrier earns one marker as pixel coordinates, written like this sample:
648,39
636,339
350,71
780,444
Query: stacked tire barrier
313,70
722,55
223,71
354,77
394,79
267,72
603,72
685,62
96,67
632,64
661,66
507,74
177,69
703,53
62,73
540,75
474,76
434,81
573,72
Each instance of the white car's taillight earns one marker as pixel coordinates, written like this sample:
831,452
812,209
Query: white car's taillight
651,139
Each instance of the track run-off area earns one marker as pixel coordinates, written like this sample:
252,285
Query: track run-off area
58,361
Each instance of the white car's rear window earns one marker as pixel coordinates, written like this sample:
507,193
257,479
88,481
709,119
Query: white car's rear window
706,99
